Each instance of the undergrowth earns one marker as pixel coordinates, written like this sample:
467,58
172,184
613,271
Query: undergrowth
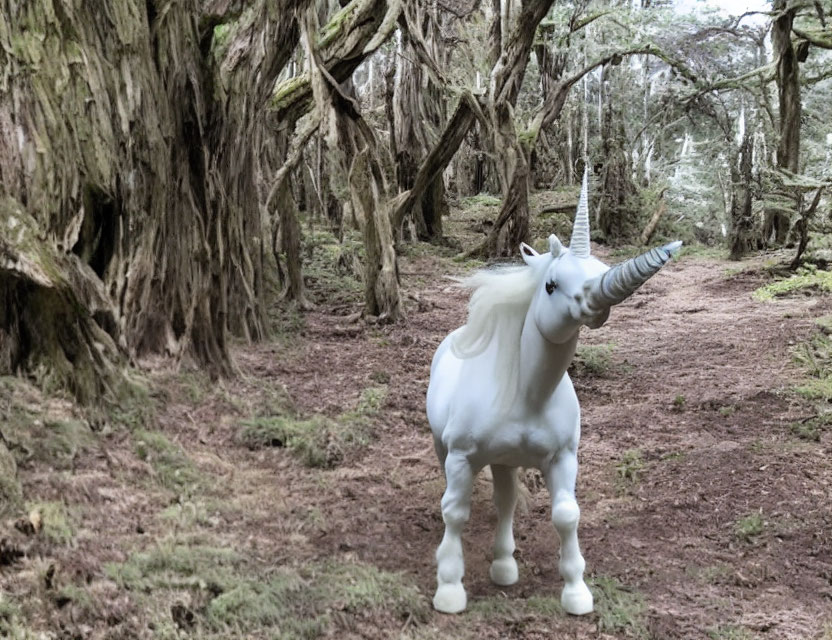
593,360
806,278
620,609
172,467
730,632
219,592
53,521
749,527
630,466
815,358
318,440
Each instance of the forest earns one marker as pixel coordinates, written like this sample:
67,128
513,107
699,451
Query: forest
231,233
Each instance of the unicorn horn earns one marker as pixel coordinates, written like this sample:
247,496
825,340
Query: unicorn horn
620,282
579,244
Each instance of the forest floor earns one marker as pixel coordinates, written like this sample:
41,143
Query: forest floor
301,499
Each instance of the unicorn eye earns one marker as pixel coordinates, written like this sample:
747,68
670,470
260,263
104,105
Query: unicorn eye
551,286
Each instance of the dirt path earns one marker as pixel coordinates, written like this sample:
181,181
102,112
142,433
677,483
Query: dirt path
703,515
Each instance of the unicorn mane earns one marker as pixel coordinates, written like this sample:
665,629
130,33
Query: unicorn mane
498,306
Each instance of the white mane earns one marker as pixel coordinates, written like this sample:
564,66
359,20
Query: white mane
498,309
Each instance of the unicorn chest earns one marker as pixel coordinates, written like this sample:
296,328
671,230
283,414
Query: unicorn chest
523,443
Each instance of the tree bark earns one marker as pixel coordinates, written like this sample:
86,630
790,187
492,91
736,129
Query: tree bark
742,217
650,229
418,110
619,207
131,143
788,88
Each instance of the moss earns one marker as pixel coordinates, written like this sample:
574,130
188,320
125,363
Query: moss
481,200
172,467
132,405
805,279
11,493
299,602
527,138
318,441
593,360
335,26
56,523
315,441
287,91
221,39
620,609
749,527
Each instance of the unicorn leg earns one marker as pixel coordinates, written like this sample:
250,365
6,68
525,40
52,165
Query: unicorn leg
441,452
504,567
456,508
576,597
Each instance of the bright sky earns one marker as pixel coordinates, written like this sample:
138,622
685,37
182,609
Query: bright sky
728,7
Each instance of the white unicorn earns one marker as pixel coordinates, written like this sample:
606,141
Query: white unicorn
499,395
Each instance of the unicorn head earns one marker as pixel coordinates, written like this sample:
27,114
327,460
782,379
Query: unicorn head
576,288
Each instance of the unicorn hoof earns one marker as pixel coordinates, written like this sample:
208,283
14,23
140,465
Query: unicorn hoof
450,598
504,571
577,599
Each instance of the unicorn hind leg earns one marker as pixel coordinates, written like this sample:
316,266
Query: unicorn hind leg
576,597
504,567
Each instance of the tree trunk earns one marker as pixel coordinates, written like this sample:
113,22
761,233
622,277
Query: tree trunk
135,149
619,207
650,229
788,88
514,156
743,235
418,110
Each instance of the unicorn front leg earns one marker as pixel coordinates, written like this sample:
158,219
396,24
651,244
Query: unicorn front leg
504,566
456,508
576,597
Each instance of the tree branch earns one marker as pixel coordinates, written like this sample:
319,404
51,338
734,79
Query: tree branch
352,35
815,37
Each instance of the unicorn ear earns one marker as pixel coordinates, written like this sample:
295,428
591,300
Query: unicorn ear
555,246
528,253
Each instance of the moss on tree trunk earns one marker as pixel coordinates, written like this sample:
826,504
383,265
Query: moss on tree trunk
130,144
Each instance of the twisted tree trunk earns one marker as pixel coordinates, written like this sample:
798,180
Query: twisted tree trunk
417,106
788,88
128,149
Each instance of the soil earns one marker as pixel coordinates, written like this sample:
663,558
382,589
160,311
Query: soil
687,433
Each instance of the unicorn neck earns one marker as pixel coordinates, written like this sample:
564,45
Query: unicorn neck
542,363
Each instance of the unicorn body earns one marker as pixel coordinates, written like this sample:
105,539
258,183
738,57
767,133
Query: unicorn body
499,395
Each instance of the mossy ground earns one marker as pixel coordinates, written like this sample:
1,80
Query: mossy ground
805,281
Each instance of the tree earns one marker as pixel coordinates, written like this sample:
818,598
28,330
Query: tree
131,167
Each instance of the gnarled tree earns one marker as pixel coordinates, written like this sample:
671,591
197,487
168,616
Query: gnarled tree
128,150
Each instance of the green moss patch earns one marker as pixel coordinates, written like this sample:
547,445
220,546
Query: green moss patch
593,360
319,441
55,522
810,279
620,609
225,596
173,469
